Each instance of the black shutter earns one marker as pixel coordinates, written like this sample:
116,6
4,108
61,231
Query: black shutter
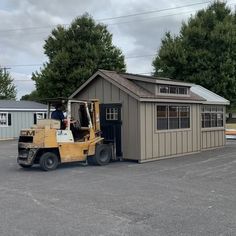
35,118
9,119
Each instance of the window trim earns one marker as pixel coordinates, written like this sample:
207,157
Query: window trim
7,125
173,94
114,111
219,110
36,114
171,130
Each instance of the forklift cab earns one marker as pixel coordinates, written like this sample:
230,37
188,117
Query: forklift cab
81,117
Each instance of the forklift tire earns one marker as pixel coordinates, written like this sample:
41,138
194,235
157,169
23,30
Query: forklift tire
48,161
102,156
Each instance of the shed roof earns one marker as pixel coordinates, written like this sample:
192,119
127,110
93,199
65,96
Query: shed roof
125,81
9,105
209,96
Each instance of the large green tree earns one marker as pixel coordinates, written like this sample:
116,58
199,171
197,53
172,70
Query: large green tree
7,88
204,52
74,54
33,96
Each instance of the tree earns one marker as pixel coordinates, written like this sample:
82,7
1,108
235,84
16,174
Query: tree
33,96
204,52
7,88
74,54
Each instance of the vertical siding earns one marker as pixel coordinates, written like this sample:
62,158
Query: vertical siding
158,144
213,137
108,93
19,120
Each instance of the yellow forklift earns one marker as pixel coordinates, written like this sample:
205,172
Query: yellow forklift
48,144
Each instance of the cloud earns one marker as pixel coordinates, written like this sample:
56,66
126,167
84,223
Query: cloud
139,35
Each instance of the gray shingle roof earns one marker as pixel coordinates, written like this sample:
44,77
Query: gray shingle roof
126,82
21,105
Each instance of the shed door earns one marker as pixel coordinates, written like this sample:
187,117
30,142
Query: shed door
111,125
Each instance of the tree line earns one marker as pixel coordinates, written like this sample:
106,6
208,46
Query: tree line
204,52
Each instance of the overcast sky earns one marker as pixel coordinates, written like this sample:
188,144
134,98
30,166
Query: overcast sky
25,24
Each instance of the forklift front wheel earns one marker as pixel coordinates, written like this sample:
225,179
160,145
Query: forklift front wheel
102,156
48,161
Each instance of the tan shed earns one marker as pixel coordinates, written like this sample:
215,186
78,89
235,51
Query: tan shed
148,118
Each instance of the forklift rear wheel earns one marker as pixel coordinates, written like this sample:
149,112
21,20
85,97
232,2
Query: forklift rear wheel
102,156
48,161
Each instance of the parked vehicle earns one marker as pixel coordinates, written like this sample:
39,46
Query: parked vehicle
49,145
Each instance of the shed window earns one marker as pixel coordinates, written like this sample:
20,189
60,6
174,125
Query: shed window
164,89
162,117
184,114
182,90
173,117
212,116
170,89
5,119
111,113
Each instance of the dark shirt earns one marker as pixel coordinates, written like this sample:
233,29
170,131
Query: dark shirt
57,115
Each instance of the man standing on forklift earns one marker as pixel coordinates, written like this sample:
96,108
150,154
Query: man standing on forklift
58,115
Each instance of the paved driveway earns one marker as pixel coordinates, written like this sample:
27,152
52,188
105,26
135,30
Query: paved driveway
190,195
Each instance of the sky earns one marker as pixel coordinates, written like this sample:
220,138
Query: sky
25,25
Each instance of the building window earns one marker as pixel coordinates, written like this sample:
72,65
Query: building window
182,90
39,116
162,117
111,113
184,116
5,119
212,116
173,117
170,89
164,89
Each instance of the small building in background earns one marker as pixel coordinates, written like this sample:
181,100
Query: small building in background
17,115
149,118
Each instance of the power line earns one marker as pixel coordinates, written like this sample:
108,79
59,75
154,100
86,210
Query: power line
41,64
110,18
153,11
111,24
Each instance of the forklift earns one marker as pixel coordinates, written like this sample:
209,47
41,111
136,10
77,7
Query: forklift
49,144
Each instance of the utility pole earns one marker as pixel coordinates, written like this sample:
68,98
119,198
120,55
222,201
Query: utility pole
5,69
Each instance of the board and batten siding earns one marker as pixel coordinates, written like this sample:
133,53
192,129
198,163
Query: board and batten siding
213,137
107,93
158,144
19,120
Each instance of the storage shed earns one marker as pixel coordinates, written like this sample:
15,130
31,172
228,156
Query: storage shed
150,118
16,115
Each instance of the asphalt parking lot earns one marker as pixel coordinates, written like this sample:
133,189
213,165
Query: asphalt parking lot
190,195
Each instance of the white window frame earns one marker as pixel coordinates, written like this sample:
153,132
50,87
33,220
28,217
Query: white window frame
6,113
38,113
41,113
112,114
